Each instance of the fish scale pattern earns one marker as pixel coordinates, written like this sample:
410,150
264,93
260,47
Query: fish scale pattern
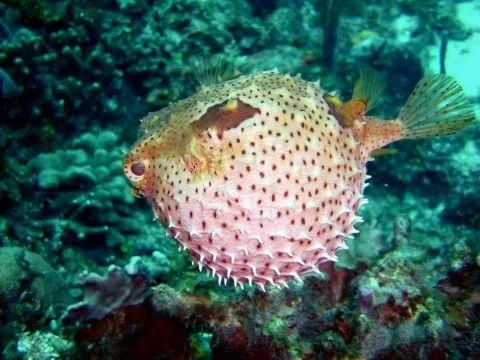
263,201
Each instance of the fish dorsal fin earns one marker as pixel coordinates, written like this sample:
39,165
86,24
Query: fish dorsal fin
213,71
368,88
366,93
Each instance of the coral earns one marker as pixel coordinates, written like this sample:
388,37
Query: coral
186,30
370,243
106,294
229,324
40,346
469,345
461,288
167,300
92,180
157,265
134,332
391,277
88,199
180,317
339,280
37,12
75,59
444,169
84,201
200,343
8,87
377,342
131,6
30,288
292,323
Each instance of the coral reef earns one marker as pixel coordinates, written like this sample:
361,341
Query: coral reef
32,293
86,184
74,78
83,200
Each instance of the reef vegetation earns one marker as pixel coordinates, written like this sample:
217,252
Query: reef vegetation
86,273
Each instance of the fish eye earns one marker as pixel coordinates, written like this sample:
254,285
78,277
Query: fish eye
137,169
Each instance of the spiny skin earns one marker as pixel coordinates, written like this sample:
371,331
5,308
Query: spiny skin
254,177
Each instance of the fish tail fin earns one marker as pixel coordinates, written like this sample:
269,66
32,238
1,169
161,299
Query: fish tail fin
437,106
368,88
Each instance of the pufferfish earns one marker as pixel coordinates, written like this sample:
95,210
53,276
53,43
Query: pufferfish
260,178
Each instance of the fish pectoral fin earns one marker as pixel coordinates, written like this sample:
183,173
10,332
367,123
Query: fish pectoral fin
193,163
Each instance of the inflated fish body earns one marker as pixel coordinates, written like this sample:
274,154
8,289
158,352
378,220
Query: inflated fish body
260,178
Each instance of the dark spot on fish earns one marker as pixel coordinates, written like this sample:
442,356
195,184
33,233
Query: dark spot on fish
225,116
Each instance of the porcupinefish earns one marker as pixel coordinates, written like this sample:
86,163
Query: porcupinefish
260,177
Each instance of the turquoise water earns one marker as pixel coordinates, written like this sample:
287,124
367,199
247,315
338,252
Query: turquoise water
85,272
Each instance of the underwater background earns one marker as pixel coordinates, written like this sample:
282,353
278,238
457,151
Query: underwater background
85,272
